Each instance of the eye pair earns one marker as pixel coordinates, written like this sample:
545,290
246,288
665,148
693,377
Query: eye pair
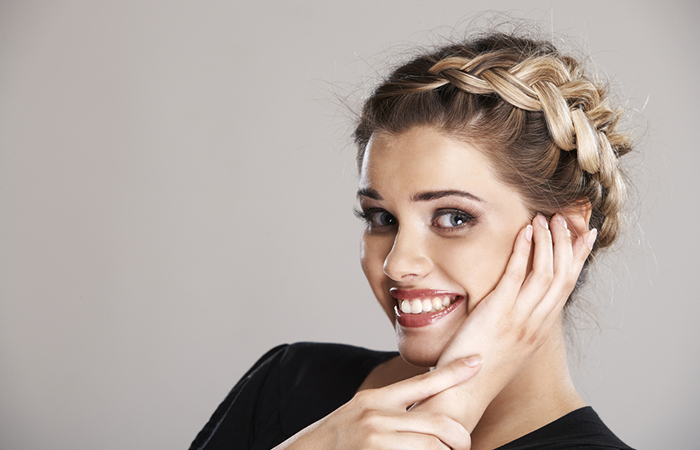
447,219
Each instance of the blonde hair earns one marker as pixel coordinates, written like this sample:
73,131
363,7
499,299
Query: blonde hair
549,130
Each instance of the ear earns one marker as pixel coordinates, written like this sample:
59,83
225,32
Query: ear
578,217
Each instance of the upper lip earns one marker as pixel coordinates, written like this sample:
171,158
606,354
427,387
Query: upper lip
409,294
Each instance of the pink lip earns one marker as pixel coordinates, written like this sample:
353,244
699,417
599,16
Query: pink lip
402,294
424,319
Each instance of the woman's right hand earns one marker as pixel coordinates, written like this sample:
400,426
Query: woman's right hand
378,418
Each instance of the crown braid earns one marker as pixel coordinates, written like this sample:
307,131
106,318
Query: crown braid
494,91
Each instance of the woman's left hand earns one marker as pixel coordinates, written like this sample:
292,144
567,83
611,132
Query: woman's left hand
516,318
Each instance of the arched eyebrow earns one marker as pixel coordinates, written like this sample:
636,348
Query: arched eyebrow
434,195
370,193
421,196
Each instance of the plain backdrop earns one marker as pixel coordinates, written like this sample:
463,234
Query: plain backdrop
176,193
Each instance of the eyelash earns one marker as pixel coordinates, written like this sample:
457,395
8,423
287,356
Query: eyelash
369,214
467,219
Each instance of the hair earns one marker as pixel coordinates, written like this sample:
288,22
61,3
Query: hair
548,129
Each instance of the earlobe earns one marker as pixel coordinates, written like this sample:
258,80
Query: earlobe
578,217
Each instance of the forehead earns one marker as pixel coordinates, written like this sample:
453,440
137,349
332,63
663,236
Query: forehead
427,159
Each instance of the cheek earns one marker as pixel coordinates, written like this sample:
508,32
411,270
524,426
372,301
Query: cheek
477,264
369,257
373,252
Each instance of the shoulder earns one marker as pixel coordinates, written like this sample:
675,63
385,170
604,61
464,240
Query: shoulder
580,429
290,387
317,378
315,357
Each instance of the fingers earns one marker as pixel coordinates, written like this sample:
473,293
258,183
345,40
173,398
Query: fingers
540,277
557,259
516,270
555,278
385,422
410,441
405,393
558,281
430,425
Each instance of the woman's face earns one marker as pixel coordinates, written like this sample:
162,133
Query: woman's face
440,230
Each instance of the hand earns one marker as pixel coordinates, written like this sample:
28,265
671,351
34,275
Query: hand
378,418
516,318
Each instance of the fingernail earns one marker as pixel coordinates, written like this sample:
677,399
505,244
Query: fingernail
562,221
543,221
590,240
472,361
528,233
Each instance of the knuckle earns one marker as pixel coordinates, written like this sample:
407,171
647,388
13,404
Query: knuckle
545,275
440,422
571,280
519,272
370,417
434,443
548,274
569,286
534,340
364,398
426,381
372,440
464,441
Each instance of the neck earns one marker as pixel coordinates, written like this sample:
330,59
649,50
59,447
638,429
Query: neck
540,394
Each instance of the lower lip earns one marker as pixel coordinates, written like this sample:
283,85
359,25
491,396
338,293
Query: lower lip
422,320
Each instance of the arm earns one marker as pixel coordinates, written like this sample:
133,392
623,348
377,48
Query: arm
378,418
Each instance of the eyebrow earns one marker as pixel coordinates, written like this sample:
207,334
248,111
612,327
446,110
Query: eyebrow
421,196
434,195
369,192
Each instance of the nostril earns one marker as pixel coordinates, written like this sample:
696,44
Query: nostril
404,267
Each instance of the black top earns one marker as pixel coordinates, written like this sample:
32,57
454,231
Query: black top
293,386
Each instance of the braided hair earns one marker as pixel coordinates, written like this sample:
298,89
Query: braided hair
548,129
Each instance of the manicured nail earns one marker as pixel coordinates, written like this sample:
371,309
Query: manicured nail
528,233
473,361
590,240
543,221
562,221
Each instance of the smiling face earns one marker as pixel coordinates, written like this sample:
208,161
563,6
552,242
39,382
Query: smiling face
440,230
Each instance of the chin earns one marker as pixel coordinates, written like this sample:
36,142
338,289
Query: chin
422,346
419,353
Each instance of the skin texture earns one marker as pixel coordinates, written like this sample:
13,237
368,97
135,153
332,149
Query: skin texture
438,218
424,252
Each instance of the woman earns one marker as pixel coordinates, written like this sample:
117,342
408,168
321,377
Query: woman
488,180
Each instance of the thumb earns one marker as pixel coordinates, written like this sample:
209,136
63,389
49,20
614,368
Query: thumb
405,393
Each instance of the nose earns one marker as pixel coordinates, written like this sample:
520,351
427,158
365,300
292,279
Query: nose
407,260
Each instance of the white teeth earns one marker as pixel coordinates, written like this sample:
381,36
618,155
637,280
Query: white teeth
416,306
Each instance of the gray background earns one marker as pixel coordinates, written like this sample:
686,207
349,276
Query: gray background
176,186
